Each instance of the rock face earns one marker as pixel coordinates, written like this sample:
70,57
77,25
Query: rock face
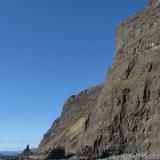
73,124
122,115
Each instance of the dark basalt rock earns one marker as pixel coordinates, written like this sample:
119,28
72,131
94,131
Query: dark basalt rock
57,153
26,151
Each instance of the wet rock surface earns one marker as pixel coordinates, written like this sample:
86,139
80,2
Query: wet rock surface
122,114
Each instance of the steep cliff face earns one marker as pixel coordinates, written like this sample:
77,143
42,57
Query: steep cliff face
122,115
72,125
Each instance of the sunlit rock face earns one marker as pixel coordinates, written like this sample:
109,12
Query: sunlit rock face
122,115
153,3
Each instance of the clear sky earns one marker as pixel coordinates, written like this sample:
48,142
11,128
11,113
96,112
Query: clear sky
49,50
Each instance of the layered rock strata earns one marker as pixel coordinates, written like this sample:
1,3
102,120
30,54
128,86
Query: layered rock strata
122,115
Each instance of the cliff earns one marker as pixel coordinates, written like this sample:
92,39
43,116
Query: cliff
122,114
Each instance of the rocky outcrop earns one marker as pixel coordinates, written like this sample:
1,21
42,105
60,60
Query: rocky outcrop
27,151
73,123
122,114
26,154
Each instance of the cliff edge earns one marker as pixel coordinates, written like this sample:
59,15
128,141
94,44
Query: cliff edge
122,115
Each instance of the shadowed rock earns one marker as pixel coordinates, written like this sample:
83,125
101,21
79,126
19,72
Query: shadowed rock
57,153
26,151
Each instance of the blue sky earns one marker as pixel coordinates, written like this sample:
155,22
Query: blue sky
49,50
